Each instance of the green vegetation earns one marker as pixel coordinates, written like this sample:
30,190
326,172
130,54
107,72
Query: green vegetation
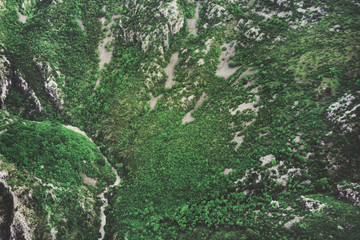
337,217
61,154
174,181
49,159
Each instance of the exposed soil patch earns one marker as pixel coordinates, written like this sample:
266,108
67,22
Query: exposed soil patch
238,139
246,72
22,17
89,180
106,54
75,129
154,100
227,171
188,117
192,22
223,69
244,106
169,70
97,83
81,24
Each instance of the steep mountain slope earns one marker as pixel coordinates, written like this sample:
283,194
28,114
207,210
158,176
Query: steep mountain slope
51,177
225,119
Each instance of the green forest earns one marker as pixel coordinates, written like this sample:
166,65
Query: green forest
223,119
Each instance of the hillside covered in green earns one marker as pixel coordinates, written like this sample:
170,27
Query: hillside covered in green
224,119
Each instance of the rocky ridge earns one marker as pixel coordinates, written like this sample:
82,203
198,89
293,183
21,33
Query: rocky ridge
167,17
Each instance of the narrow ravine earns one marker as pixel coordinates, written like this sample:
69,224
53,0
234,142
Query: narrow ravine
106,190
106,201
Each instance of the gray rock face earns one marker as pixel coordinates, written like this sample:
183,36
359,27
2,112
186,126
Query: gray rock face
29,4
36,101
214,11
50,85
18,230
13,225
6,211
350,191
51,88
311,204
23,85
167,19
18,220
345,111
5,80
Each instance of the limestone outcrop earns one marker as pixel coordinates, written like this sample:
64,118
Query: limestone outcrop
167,19
14,225
5,80
344,112
350,191
50,85
311,204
